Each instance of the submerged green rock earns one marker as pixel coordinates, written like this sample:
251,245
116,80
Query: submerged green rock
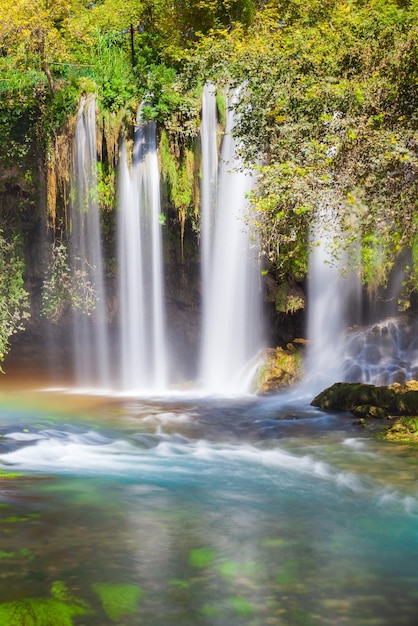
118,599
57,610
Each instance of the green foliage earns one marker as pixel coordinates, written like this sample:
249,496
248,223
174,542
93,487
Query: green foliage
57,110
113,72
329,106
106,187
66,287
329,115
19,110
221,106
118,599
178,172
14,299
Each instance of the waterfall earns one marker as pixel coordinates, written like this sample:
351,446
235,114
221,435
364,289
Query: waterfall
332,292
230,273
209,184
90,336
141,292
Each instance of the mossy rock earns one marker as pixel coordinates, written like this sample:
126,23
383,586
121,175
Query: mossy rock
282,368
118,599
369,400
406,403
346,396
369,411
404,430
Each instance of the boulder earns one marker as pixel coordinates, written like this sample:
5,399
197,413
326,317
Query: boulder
370,401
282,367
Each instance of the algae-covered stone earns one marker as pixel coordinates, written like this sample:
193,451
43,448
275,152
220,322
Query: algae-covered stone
55,611
346,396
368,410
369,400
404,429
118,599
282,367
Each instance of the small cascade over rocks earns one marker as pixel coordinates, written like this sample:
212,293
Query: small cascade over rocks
90,333
231,334
382,354
143,346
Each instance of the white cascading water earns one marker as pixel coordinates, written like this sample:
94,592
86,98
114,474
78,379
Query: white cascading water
209,182
383,353
231,324
141,289
90,335
330,295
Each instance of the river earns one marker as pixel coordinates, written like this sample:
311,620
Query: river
190,510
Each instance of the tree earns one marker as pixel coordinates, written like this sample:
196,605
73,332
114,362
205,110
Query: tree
31,33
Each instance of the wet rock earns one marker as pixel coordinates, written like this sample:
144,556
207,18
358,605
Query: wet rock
370,401
353,374
404,430
399,377
372,354
368,410
282,367
355,346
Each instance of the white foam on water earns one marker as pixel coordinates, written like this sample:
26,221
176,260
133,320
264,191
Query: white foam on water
56,452
170,459
21,436
393,500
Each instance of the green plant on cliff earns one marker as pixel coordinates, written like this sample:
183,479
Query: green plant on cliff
66,287
178,170
14,299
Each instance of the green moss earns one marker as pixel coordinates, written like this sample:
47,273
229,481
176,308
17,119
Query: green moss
201,557
282,368
118,599
178,172
6,555
4,475
55,611
289,298
404,429
241,605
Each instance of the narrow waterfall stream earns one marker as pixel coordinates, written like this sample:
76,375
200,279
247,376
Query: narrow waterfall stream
231,334
90,334
209,184
332,292
143,345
